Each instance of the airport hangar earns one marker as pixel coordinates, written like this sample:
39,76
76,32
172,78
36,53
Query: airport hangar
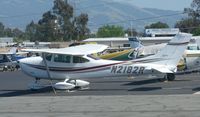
152,36
123,42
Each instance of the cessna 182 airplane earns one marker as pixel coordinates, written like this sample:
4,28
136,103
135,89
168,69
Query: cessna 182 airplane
74,63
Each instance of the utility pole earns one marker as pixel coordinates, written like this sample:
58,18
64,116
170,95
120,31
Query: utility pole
131,30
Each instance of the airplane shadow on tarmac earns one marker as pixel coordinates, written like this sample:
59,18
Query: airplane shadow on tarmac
151,81
196,89
145,89
12,93
143,82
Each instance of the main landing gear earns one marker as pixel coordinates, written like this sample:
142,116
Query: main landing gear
168,77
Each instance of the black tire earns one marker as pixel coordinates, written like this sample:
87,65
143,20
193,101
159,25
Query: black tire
5,68
12,68
17,67
170,77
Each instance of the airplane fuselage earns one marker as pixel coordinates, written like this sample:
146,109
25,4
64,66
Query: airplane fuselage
90,69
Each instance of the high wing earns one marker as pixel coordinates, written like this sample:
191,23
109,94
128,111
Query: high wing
74,50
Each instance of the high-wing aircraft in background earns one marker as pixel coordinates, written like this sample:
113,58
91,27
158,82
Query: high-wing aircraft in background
8,60
189,62
74,63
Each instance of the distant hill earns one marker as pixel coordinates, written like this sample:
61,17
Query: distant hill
18,13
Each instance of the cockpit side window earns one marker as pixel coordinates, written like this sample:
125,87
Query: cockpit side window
62,58
78,59
48,57
193,46
3,58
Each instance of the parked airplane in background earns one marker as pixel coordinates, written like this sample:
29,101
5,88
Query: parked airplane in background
8,60
189,62
74,63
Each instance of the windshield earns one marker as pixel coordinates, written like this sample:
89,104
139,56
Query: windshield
93,57
193,47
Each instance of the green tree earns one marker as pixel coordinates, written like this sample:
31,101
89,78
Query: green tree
59,24
187,25
17,32
19,36
131,32
46,29
191,24
194,10
196,31
8,32
64,13
110,31
30,32
81,30
1,29
157,25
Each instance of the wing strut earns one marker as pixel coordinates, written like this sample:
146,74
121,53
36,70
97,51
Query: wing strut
48,73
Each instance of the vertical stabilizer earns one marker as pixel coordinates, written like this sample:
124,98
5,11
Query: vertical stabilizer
135,42
173,51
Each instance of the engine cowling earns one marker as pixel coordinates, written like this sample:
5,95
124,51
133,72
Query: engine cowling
63,86
71,84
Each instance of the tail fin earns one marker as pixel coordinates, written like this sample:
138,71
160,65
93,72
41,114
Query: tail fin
135,43
13,50
173,51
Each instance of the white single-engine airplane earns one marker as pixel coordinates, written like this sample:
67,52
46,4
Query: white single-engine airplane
74,63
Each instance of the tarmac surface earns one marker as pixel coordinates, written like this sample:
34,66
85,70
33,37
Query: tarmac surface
16,84
106,97
101,106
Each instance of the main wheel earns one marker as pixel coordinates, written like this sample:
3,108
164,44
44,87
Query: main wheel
170,77
5,68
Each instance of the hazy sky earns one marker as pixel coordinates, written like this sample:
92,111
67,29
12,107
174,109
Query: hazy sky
162,4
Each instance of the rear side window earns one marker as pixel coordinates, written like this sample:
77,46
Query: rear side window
62,58
4,58
48,57
77,59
